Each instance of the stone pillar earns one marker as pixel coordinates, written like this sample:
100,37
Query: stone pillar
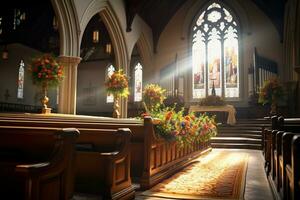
68,87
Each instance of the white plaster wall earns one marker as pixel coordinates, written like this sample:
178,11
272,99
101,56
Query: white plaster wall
263,36
9,70
92,74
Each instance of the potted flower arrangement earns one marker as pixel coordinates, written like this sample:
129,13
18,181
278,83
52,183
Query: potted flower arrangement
117,85
153,96
46,72
270,93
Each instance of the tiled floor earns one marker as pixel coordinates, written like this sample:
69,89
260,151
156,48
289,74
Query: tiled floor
257,185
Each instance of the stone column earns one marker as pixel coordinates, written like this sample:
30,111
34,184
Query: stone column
68,87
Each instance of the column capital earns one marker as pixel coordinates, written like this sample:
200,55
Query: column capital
69,59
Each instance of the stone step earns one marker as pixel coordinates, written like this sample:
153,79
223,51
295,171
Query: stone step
243,135
257,128
239,140
258,120
240,131
236,146
243,125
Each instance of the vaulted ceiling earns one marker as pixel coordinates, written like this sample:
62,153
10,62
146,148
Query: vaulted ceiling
157,13
37,30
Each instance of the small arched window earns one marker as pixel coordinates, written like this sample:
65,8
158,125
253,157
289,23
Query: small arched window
215,48
20,94
110,70
138,82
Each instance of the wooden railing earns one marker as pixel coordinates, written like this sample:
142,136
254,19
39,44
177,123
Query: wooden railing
263,69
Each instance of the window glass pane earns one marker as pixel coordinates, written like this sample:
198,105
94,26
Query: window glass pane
214,29
214,67
138,81
231,65
199,69
20,94
110,71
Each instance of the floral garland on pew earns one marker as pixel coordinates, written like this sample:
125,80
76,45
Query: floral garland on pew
177,126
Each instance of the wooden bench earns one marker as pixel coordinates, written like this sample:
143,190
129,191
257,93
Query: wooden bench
36,163
275,148
292,188
112,159
103,163
267,141
152,158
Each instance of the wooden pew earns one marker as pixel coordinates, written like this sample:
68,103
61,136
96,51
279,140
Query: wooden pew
278,173
103,163
162,159
267,140
153,159
136,127
36,163
292,171
108,153
285,159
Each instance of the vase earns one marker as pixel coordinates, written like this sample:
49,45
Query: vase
45,99
116,111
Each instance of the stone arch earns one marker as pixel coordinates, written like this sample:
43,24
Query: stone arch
68,27
113,27
146,55
103,8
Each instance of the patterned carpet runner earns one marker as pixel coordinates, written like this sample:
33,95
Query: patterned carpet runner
217,175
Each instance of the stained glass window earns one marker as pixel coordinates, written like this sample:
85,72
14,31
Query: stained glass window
138,82
20,94
109,72
215,45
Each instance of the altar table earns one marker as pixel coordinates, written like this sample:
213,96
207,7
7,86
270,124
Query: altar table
226,108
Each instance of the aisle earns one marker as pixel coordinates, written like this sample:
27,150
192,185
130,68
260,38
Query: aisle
257,186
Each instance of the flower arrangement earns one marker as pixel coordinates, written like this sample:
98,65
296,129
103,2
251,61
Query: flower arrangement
212,100
270,92
185,129
176,126
117,84
153,96
46,70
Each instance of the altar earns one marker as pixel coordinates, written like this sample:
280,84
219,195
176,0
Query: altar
226,108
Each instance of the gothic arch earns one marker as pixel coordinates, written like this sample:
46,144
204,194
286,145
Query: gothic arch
197,6
68,27
113,27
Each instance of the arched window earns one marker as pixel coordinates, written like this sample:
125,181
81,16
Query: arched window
110,70
20,94
138,82
215,47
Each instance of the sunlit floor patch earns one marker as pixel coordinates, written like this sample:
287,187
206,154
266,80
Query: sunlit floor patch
219,175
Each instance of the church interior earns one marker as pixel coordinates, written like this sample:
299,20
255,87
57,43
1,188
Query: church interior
139,99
